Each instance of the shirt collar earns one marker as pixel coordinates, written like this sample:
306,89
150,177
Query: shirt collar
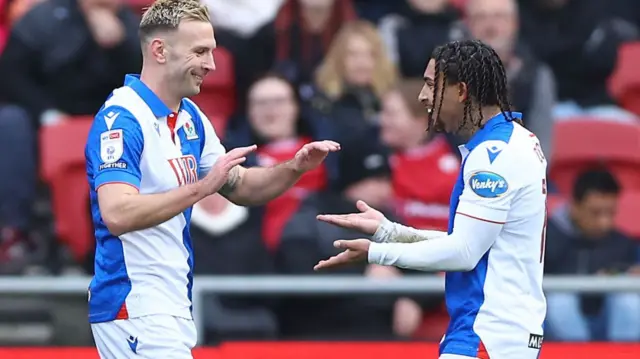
489,126
156,105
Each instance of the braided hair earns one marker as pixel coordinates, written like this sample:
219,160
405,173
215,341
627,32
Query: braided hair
480,68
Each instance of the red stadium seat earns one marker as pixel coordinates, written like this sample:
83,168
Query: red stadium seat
433,326
63,168
582,143
624,83
628,209
217,98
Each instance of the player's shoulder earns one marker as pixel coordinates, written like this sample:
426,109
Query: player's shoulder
114,123
507,148
112,116
491,155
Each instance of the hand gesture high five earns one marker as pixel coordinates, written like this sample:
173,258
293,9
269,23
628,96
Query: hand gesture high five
367,221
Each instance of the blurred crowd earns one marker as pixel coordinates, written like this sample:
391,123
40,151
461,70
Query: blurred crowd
291,71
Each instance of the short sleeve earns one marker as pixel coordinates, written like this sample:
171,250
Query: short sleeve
212,148
489,185
114,148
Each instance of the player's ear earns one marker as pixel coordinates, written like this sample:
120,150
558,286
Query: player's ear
158,50
462,91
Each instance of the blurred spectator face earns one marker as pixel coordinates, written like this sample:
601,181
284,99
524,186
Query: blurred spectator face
317,4
595,213
428,6
494,22
398,123
359,61
273,110
356,57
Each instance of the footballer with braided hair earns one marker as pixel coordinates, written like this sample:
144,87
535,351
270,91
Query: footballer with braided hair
478,72
493,251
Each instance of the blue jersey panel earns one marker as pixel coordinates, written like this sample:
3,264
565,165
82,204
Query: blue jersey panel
113,151
464,291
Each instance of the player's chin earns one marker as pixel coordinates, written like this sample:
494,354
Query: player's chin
193,88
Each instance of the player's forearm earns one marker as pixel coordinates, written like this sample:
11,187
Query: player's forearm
133,212
391,232
259,185
459,251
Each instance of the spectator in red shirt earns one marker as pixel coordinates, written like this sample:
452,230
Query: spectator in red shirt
424,167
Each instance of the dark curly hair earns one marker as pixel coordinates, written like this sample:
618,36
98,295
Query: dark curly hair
480,68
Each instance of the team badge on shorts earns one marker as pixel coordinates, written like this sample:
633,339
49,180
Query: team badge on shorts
190,130
111,146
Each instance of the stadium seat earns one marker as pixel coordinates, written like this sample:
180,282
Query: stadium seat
624,83
628,209
217,98
433,326
584,142
63,169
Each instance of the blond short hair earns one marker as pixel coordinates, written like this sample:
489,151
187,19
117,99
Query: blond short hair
166,15
330,74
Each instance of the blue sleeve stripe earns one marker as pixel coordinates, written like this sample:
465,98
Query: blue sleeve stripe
117,176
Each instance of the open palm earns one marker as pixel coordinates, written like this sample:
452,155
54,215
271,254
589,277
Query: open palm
367,221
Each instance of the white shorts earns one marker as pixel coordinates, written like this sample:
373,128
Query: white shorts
152,336
454,356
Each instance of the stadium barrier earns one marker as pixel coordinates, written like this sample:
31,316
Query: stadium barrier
306,285
332,350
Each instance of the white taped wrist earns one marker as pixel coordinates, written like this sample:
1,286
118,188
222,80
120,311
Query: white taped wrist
390,232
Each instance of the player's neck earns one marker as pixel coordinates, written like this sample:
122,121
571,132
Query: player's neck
471,128
161,89
488,113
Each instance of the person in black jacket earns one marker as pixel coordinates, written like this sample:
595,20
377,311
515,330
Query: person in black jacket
61,57
579,40
412,33
582,240
64,57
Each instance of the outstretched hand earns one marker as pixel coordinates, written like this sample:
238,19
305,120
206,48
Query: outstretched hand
367,221
312,154
355,251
